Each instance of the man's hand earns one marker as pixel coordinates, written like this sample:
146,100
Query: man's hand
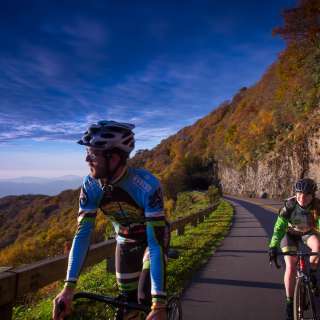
273,253
158,312
62,304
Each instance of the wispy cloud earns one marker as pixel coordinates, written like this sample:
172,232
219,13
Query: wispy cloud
75,72
165,92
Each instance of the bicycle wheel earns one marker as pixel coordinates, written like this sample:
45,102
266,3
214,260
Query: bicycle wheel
303,302
174,309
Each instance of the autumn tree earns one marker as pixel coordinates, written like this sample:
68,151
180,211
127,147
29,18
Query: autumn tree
301,24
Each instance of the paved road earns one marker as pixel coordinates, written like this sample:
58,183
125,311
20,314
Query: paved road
237,282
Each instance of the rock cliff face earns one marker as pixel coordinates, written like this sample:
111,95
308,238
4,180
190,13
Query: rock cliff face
277,172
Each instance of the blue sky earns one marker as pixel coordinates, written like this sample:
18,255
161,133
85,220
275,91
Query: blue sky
158,64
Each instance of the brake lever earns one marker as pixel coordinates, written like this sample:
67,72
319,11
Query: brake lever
275,260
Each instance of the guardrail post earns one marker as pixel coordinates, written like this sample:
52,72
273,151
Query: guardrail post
180,230
6,311
8,281
111,264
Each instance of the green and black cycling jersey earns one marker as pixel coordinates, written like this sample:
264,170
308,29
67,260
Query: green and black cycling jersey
296,220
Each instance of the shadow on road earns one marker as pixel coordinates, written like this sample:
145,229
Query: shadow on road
248,237
240,283
243,251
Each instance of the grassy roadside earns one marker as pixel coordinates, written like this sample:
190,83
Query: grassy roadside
194,247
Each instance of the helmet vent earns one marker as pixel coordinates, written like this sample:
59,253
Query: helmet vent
116,129
94,130
127,134
100,143
107,135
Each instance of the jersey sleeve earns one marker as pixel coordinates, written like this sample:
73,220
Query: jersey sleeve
90,197
282,222
156,235
279,231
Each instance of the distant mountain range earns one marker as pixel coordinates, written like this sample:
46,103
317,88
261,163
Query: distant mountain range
36,185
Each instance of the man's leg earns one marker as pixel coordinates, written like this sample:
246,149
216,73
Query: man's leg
128,269
144,287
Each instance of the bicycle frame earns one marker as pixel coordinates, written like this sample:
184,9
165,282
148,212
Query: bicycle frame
302,269
303,300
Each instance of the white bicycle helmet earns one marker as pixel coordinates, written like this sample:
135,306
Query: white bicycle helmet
106,135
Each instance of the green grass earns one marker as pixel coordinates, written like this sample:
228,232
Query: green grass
194,247
189,202
197,245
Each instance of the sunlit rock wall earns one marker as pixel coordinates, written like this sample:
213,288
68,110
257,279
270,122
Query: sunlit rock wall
277,173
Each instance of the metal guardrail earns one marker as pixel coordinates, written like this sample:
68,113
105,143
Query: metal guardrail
16,282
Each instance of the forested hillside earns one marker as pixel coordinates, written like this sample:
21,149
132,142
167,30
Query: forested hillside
266,123
33,227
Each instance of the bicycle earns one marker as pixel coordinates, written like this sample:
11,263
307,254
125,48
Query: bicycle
304,305
117,305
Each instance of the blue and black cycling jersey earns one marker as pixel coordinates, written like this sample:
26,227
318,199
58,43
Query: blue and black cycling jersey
134,204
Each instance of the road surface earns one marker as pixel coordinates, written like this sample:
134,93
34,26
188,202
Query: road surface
238,282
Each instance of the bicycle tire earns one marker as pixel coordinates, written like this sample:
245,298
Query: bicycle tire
174,308
303,301
311,298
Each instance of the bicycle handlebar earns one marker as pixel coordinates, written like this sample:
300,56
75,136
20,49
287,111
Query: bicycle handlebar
299,254
293,254
114,301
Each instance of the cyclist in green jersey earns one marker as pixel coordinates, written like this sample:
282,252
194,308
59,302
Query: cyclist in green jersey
298,221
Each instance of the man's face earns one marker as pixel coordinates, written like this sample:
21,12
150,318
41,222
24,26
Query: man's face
304,199
98,163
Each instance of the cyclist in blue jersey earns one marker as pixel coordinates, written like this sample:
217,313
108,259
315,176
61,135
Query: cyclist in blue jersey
132,199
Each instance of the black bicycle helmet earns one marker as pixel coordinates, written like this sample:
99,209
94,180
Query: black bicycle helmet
305,185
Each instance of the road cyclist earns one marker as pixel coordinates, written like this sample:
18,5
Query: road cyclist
298,221
132,199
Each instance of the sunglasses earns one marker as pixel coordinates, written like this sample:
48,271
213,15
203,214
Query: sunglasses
93,155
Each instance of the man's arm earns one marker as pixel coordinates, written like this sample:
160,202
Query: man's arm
79,249
90,197
156,235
